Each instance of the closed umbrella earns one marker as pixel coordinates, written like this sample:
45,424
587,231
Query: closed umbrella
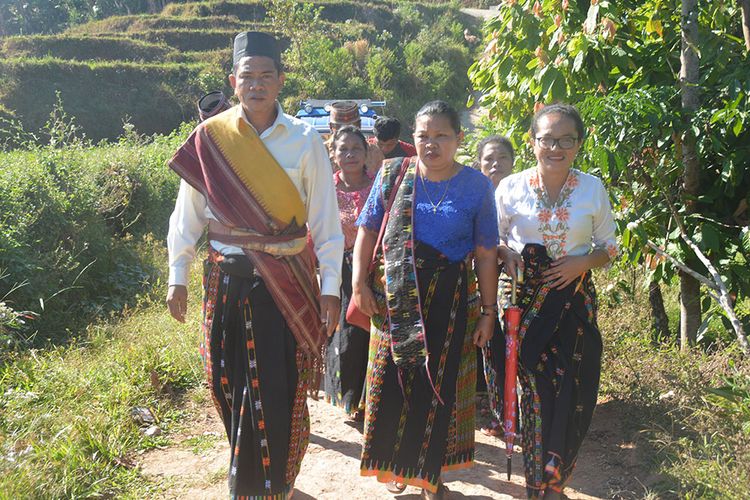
512,317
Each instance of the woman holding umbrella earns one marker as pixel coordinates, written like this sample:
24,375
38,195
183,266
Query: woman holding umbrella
555,225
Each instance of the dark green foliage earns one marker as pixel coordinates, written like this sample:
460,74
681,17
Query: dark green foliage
73,217
83,48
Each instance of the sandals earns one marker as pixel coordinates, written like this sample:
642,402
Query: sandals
440,494
395,487
494,430
357,416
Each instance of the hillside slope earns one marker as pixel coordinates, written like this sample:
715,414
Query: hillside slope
149,69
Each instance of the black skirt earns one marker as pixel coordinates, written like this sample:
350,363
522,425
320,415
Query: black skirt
346,353
559,367
418,424
255,374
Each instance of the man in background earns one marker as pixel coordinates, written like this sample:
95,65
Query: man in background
387,131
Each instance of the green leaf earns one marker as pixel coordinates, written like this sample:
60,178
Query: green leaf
710,237
578,44
578,61
718,115
745,240
589,26
737,129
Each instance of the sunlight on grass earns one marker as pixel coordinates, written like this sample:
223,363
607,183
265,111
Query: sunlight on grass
65,424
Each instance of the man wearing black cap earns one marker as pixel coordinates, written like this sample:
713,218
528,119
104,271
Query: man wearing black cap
260,179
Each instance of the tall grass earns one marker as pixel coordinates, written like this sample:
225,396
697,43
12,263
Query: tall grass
692,408
65,424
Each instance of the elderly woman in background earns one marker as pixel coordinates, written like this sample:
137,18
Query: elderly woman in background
421,376
556,225
495,157
346,353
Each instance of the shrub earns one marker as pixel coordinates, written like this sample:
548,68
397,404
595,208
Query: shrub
73,216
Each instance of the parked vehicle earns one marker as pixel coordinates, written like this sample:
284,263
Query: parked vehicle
317,112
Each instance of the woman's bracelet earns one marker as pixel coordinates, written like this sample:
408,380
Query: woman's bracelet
488,310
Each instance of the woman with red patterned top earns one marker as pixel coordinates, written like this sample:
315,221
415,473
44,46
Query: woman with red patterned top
346,353
555,225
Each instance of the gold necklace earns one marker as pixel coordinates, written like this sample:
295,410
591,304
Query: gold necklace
427,194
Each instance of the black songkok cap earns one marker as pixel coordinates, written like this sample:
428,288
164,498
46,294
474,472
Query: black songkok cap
255,43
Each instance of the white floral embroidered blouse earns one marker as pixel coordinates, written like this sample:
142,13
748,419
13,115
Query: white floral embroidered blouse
579,221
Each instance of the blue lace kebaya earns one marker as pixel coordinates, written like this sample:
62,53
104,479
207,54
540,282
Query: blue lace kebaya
465,219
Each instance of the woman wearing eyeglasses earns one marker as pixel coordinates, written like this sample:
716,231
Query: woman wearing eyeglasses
555,226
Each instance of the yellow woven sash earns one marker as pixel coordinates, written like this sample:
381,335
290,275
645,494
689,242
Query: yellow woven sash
258,170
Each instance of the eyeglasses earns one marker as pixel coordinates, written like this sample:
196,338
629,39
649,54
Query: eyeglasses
562,142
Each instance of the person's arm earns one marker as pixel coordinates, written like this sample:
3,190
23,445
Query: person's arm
185,228
485,265
565,270
512,259
362,295
325,229
369,222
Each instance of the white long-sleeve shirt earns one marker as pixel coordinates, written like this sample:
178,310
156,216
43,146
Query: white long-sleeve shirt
578,222
299,150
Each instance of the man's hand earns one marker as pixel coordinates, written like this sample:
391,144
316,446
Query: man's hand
330,309
177,302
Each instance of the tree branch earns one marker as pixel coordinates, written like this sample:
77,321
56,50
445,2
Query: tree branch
682,267
745,6
718,284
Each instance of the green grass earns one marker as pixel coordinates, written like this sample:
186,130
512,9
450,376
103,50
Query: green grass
152,21
154,97
65,425
697,441
84,48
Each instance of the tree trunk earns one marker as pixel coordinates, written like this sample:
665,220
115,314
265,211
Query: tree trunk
659,319
690,311
745,6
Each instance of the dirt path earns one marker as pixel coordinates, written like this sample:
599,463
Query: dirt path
480,14
195,467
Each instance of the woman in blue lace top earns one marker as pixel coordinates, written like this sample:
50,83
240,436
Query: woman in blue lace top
422,297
